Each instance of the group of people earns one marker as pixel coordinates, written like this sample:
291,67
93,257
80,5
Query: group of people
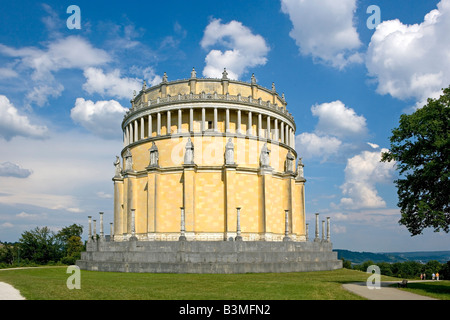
434,276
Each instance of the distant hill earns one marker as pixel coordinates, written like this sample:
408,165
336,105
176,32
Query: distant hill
391,257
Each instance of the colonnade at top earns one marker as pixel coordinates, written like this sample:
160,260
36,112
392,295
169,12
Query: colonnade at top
210,120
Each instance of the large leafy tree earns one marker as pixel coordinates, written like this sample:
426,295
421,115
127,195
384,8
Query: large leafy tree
421,148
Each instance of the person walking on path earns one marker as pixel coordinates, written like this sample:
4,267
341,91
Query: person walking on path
437,275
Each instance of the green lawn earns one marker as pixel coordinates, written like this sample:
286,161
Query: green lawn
50,283
437,289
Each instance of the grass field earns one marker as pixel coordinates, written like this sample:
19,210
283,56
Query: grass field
50,284
438,289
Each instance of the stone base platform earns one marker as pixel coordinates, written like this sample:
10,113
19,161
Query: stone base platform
208,256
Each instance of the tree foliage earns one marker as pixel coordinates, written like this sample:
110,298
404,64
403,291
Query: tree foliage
42,246
406,269
421,148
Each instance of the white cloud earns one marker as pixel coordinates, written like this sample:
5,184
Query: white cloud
311,145
412,61
7,73
68,170
13,124
324,29
362,173
6,225
72,52
9,169
102,118
243,49
337,132
40,93
110,84
338,120
26,215
104,195
63,53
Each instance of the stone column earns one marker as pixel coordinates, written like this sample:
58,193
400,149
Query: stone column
215,119
169,123
158,124
282,131
150,129
328,229
292,138
268,128
203,119
142,128
131,132
90,229
238,225
111,232
286,226
127,136
136,131
180,117
182,226
286,135
102,234
316,238
227,120
95,230
191,120
259,125
249,129
238,124
323,230
276,130
307,232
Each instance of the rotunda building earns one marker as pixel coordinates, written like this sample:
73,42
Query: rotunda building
211,160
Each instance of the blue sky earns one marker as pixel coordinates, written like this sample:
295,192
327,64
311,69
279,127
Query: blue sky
63,93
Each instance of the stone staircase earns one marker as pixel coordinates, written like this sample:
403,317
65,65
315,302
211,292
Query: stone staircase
208,256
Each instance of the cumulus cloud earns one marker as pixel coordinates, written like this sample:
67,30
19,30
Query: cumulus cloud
102,118
338,129
110,84
14,124
411,61
243,49
311,145
362,173
324,29
338,120
9,169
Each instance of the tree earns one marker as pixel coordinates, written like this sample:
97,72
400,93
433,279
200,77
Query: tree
74,248
421,148
39,245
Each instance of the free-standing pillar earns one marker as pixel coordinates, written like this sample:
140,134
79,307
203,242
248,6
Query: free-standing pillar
316,238
238,225
328,229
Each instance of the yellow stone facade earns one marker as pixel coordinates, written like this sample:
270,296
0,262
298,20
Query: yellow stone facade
158,184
